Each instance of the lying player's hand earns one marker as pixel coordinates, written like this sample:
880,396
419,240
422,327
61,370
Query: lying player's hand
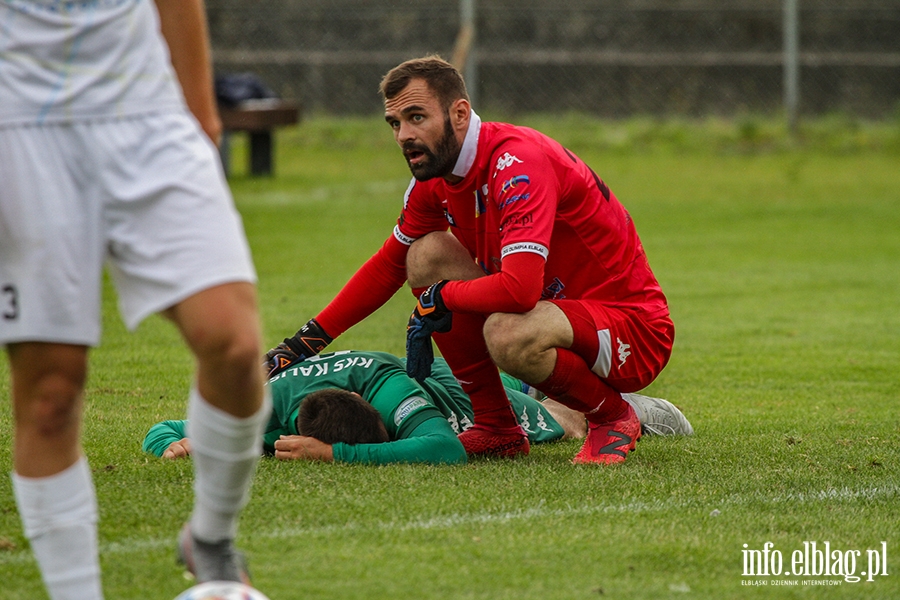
429,316
301,447
306,343
179,449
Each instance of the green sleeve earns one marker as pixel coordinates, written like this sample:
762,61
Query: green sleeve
431,442
162,435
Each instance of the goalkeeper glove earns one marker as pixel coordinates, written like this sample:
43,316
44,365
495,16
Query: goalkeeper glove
307,342
429,316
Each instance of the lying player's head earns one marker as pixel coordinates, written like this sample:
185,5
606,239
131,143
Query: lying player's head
333,415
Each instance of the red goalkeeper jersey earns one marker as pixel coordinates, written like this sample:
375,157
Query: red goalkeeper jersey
538,221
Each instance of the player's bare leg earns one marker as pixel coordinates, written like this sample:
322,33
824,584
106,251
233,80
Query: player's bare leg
524,345
534,347
227,414
52,482
439,256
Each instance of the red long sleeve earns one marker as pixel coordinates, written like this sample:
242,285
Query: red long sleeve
516,289
370,287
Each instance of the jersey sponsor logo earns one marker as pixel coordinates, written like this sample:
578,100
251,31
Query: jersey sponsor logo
514,198
514,222
524,247
401,237
407,407
507,160
513,182
554,290
624,352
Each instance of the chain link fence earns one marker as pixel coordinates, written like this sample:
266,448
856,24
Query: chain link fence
611,58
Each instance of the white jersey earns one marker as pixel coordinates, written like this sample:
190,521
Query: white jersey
64,61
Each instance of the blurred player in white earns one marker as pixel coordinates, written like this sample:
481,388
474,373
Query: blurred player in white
105,158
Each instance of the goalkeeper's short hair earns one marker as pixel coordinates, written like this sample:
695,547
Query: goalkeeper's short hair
333,415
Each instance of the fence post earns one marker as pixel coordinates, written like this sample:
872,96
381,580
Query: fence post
791,67
464,57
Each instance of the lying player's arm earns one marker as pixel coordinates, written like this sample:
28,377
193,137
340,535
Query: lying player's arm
431,442
167,436
302,447
168,439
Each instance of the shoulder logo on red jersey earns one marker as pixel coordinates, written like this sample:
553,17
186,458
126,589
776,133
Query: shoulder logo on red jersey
507,160
513,182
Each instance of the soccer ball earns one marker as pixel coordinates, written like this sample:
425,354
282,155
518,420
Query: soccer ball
222,590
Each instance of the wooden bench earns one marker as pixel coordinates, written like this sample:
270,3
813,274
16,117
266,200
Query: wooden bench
259,118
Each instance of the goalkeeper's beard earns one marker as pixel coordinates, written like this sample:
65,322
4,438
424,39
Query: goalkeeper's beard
437,163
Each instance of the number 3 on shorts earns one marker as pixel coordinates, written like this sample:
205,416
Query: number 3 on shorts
10,302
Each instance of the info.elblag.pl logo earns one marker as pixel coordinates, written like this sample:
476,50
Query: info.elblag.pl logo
813,560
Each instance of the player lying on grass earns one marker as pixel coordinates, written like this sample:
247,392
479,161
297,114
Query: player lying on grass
522,259
362,407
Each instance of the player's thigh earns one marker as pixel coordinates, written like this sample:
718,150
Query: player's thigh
51,236
220,318
514,336
173,228
632,349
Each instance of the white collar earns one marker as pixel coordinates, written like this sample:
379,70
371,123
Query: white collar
470,146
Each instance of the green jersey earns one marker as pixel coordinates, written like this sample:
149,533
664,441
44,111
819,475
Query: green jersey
422,421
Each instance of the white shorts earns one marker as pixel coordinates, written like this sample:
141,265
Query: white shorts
146,195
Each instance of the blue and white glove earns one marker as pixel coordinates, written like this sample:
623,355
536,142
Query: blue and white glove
429,316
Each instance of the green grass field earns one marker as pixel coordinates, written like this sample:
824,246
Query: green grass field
781,262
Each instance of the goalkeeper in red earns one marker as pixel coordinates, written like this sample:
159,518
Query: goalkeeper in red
541,272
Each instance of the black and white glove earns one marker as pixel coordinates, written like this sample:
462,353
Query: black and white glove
429,316
307,342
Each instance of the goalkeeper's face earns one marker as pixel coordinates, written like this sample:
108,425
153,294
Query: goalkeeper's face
427,162
424,131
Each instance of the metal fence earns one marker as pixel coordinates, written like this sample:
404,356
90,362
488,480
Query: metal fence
607,57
